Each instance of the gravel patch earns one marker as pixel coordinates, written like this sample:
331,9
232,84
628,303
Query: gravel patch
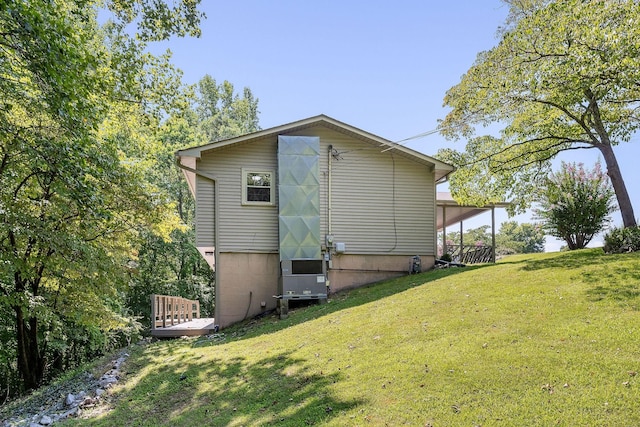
82,395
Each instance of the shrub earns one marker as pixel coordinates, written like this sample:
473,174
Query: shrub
621,240
576,203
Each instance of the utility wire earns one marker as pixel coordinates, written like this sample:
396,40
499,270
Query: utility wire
411,138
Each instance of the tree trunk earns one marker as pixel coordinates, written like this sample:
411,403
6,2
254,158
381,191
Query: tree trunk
29,361
30,365
613,170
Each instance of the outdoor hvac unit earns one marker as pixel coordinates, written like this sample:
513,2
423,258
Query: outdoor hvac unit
303,269
302,279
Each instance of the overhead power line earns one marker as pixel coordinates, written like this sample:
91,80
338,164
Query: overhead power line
411,138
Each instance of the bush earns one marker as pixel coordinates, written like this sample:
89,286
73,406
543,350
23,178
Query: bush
575,204
446,257
620,240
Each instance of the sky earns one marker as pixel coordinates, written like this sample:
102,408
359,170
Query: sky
381,66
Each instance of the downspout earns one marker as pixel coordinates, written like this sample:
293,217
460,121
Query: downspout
216,289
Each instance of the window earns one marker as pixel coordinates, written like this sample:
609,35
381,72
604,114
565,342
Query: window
257,188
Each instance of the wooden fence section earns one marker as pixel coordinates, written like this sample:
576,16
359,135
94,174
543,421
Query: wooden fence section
167,310
470,254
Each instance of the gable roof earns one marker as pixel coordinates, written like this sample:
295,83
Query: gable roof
441,169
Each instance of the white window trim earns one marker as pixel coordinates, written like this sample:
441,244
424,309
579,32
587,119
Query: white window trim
246,171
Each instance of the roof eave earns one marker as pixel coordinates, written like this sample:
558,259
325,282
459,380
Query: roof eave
442,169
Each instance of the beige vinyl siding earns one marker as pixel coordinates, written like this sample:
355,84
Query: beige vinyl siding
382,202
205,212
243,228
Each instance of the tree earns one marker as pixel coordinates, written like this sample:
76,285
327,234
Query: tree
515,238
176,267
472,237
222,113
477,236
512,238
564,76
575,204
74,97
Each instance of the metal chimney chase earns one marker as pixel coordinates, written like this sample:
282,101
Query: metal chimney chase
303,270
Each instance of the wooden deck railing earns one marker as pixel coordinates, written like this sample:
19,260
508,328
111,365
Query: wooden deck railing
167,310
470,254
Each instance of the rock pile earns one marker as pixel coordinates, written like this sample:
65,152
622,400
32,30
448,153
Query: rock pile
87,394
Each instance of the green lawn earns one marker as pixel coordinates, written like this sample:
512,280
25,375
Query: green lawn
538,340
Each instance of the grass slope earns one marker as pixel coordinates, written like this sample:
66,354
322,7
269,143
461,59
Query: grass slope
550,339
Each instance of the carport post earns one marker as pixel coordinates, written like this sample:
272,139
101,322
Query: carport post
444,230
493,234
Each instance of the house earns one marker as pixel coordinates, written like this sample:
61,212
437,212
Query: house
307,208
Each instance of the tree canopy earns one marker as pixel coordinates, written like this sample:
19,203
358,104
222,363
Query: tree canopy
515,238
564,76
511,238
222,113
80,104
175,267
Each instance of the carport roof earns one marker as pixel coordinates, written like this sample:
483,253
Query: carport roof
456,213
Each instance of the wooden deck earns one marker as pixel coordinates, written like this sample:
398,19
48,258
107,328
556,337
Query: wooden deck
173,316
190,328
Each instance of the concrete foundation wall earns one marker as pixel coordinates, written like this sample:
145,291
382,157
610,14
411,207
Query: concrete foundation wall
245,280
350,271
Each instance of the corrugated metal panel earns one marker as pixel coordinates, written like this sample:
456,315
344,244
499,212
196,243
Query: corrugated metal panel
205,212
243,228
299,197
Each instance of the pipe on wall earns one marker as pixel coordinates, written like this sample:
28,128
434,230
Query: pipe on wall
329,192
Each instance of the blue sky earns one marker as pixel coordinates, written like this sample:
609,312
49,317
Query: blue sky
381,66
